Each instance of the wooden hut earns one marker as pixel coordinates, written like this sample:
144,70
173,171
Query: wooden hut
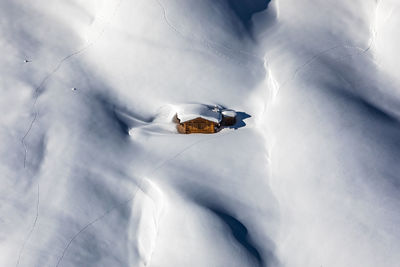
196,118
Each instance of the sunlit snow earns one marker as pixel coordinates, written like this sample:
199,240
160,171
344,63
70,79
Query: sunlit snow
94,173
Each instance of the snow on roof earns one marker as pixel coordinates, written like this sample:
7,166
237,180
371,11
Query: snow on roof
229,113
192,111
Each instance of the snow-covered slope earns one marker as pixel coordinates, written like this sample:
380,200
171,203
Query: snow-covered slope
98,176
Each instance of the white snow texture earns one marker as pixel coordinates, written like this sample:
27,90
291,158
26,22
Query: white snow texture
94,173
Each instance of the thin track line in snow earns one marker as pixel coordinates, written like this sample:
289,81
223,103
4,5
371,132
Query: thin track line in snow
167,20
373,31
32,228
186,149
36,96
320,54
308,62
83,229
207,43
36,93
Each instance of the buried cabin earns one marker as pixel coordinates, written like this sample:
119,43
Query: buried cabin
197,118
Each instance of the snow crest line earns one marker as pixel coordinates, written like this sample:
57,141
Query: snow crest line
48,77
158,202
32,228
157,226
373,26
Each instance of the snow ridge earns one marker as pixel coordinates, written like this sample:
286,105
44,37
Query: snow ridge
38,89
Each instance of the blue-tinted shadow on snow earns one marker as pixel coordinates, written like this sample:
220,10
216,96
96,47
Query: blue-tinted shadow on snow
240,233
261,255
240,117
245,9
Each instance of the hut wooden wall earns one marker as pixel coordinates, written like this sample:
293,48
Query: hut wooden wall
228,121
198,125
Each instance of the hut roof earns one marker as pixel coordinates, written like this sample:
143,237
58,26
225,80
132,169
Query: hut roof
229,113
192,111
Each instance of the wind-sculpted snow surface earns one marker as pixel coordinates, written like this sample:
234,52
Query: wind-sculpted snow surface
99,176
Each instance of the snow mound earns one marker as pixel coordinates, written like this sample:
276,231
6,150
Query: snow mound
189,112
